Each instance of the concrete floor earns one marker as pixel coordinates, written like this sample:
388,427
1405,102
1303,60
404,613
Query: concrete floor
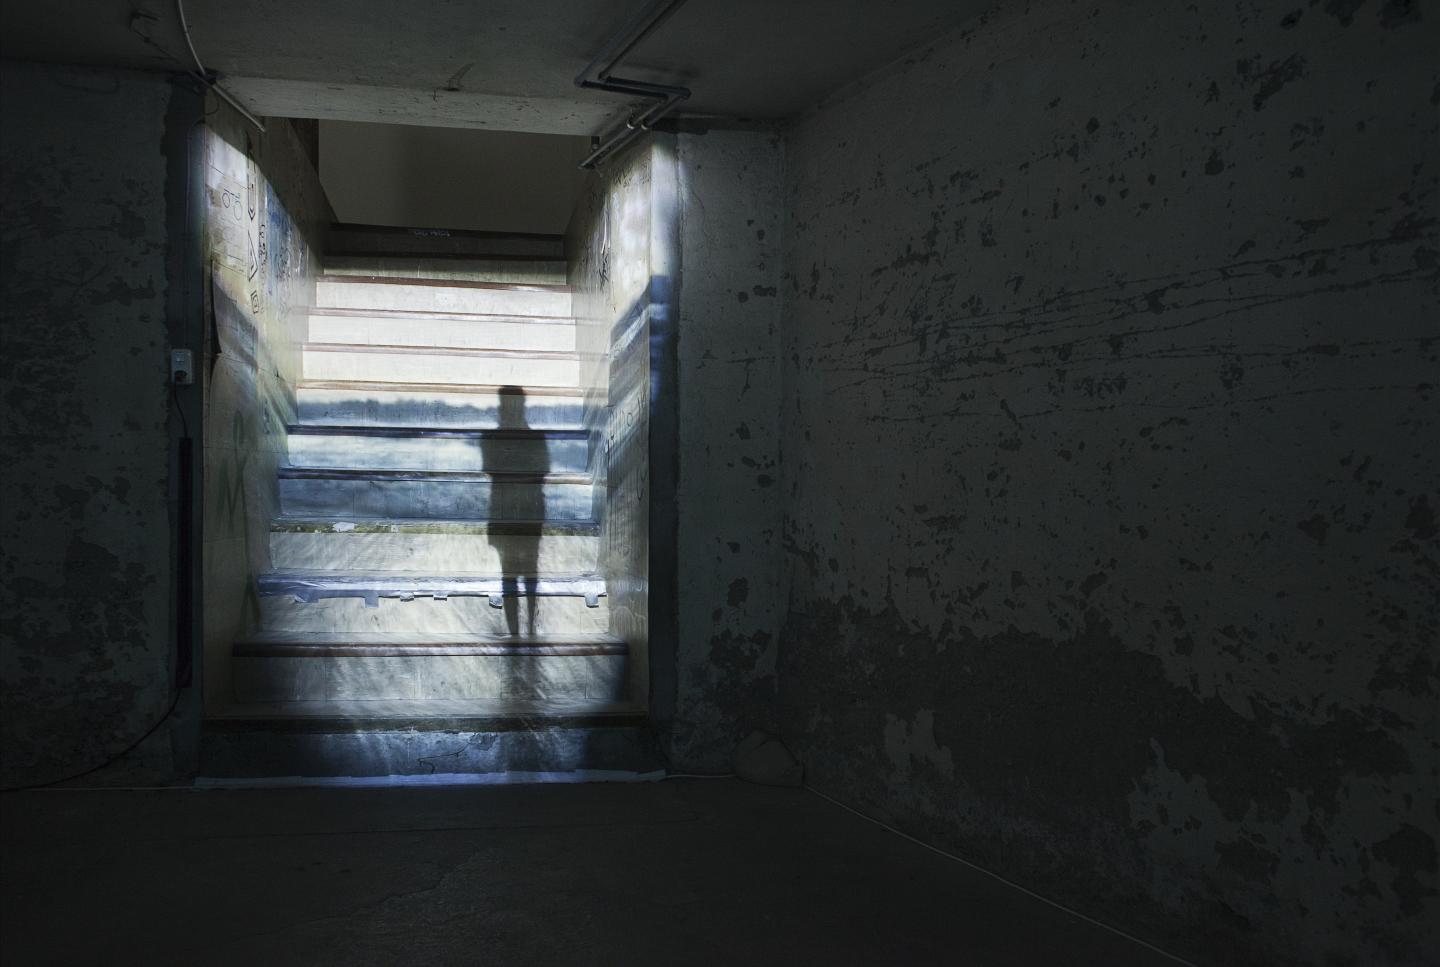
680,872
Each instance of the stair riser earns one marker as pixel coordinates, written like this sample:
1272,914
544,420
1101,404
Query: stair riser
435,553
598,678
440,298
382,367
552,616
471,411
436,499
475,334
405,241
439,453
478,270
424,752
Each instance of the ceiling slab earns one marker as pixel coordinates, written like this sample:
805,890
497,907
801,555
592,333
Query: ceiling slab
499,64
443,109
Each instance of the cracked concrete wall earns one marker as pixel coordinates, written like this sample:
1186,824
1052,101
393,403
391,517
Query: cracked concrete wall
1111,466
729,477
85,585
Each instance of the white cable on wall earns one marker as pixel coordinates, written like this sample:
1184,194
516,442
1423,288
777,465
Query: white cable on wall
200,68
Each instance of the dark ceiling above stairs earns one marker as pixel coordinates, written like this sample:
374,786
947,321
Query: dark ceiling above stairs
506,65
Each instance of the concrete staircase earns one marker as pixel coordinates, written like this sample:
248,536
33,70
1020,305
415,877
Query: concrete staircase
436,561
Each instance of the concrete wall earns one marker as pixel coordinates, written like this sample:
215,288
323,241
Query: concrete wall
86,641
1111,465
400,174
266,215
729,506
710,635
612,267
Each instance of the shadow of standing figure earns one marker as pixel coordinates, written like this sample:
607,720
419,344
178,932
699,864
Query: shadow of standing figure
518,548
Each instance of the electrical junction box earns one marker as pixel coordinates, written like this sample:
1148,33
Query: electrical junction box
182,367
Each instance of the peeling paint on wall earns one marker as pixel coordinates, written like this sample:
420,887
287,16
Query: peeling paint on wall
85,590
1110,465
729,507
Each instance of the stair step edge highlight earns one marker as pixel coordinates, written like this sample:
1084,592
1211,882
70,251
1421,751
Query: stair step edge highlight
478,528
310,586
414,432
340,645
494,476
404,350
468,389
447,283
443,315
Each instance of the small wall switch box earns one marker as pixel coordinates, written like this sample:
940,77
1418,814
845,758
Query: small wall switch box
182,367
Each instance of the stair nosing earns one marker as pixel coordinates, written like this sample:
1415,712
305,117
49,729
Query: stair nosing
419,645
361,473
387,349
358,576
426,315
458,256
436,231
556,288
235,720
482,433
471,389
406,525
308,585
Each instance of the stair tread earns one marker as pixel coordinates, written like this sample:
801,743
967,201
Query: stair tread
458,714
462,433
420,256
423,637
396,577
446,315
447,283
309,584
331,644
402,349
360,473
435,231
476,389
401,525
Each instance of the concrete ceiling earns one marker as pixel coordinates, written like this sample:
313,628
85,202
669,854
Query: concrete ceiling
501,64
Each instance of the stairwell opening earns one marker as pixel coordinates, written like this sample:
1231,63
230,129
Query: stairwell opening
428,504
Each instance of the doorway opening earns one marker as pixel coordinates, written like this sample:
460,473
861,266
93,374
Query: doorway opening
426,444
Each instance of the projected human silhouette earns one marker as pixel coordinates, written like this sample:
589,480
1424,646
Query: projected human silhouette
518,548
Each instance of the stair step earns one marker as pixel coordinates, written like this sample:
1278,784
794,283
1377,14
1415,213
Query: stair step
440,364
428,715
365,292
477,528
435,495
592,678
514,268
437,550
427,740
464,330
317,584
356,239
331,644
281,667
420,448
465,614
360,403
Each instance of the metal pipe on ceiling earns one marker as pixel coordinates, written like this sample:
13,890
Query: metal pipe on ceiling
599,75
